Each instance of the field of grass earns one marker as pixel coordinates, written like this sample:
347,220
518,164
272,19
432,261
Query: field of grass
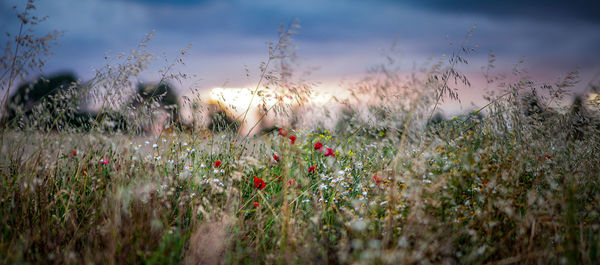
386,182
475,189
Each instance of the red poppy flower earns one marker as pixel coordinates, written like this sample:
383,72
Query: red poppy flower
255,204
329,152
104,161
276,158
377,179
282,132
293,139
548,156
74,152
291,182
318,146
218,163
259,183
312,169
539,158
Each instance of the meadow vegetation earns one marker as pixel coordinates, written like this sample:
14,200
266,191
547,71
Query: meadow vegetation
387,182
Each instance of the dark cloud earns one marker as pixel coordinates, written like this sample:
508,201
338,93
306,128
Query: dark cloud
582,10
343,36
172,2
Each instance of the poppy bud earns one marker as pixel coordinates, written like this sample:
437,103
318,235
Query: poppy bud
282,132
291,182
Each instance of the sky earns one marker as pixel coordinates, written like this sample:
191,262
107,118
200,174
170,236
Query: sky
341,39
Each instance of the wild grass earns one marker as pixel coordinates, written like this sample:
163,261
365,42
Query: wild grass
514,182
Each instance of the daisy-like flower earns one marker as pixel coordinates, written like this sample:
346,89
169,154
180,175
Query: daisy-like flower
218,163
318,146
292,139
259,183
329,152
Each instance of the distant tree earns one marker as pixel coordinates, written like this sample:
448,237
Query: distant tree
30,94
105,121
532,107
161,93
581,120
265,124
346,122
47,104
437,118
220,119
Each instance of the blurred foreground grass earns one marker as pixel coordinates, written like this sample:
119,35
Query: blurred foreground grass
467,192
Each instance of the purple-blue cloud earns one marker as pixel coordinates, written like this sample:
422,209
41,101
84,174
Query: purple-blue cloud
342,37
